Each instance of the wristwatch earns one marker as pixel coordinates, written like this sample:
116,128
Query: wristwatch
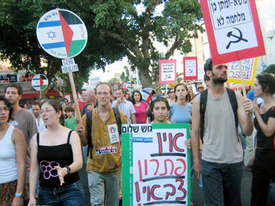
19,195
68,170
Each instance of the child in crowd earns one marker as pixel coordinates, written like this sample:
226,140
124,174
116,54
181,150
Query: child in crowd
71,121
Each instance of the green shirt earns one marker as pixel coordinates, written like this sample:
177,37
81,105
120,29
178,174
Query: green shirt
71,123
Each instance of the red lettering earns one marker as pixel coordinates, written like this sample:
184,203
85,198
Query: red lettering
175,142
148,194
146,168
181,189
155,160
178,168
170,193
160,143
165,167
137,191
153,194
140,171
170,142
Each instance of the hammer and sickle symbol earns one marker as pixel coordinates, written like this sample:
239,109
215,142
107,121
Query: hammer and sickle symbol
239,38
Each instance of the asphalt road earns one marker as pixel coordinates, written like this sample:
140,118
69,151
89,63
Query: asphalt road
197,193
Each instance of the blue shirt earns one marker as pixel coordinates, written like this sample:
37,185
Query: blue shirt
126,107
180,114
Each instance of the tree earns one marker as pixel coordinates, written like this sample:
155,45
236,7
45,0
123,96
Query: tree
137,33
116,28
270,69
125,74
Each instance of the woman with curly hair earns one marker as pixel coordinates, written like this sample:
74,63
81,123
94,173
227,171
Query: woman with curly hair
263,168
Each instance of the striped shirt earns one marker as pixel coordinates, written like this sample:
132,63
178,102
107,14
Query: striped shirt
126,107
106,156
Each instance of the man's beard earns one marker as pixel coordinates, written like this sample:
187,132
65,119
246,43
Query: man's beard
219,80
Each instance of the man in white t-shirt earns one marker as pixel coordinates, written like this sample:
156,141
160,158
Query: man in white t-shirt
125,106
38,120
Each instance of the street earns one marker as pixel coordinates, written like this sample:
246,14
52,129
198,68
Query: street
197,193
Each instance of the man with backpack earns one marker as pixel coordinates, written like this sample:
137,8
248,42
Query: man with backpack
101,131
215,116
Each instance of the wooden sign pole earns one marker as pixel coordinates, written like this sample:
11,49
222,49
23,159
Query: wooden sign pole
242,78
78,114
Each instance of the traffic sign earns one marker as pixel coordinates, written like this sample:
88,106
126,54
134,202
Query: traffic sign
233,30
61,33
40,82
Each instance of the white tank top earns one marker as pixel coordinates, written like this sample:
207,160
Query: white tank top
8,165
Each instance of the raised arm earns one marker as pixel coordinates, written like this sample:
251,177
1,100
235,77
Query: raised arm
269,128
81,131
245,109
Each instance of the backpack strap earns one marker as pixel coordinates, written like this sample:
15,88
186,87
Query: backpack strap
37,138
69,136
203,101
234,105
89,119
118,119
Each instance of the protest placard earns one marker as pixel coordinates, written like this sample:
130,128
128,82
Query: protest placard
249,70
190,68
233,30
167,71
155,164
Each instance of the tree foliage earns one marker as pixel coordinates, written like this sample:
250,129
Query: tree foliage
116,28
270,69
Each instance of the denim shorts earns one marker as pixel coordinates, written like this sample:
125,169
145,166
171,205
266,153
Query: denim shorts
72,195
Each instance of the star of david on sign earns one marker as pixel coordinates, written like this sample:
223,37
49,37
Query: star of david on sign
51,34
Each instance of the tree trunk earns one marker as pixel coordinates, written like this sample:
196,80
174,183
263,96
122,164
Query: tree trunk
145,78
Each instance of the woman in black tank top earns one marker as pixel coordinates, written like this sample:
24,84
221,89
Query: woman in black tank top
263,168
55,159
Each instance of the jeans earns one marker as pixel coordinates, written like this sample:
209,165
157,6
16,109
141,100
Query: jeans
104,188
72,195
221,183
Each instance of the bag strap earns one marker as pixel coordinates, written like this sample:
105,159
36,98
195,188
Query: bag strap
89,119
37,138
118,119
234,104
203,102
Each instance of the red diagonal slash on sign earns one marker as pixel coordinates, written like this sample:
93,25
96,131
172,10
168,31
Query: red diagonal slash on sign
41,82
67,33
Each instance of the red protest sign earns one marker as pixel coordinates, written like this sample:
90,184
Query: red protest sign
190,68
124,85
69,98
167,71
233,30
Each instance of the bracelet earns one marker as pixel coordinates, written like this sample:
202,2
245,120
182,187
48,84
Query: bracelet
68,170
19,195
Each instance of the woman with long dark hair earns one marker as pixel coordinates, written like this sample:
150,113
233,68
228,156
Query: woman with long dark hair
55,159
181,110
12,159
140,107
263,168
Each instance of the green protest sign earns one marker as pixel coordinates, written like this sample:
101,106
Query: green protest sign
155,164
